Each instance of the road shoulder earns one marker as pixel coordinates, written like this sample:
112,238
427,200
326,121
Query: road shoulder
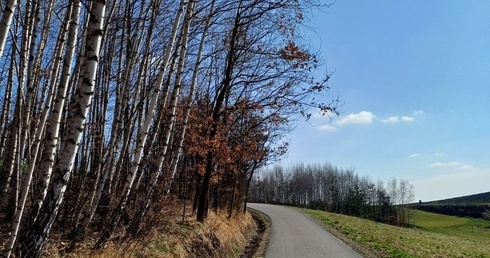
360,249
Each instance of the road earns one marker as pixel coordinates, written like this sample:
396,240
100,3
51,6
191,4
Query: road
294,235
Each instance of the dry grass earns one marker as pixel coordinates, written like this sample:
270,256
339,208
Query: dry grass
217,237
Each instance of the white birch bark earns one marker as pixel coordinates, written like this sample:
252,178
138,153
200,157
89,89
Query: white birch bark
107,168
36,236
155,176
24,117
72,39
181,135
51,137
8,14
153,103
142,135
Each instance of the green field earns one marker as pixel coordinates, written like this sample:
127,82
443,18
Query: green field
435,235
467,228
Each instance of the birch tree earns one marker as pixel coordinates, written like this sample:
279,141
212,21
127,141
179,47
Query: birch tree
75,12
51,137
8,14
181,134
169,129
116,214
34,240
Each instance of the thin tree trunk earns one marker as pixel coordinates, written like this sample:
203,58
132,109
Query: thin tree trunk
51,137
116,214
7,131
75,13
180,140
8,13
221,95
171,124
35,239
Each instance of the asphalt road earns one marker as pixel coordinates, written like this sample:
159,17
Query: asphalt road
295,235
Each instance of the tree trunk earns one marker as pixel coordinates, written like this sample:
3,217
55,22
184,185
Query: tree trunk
117,213
170,124
222,93
8,13
51,137
33,242
180,140
35,148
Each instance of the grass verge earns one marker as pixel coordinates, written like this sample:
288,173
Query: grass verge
390,241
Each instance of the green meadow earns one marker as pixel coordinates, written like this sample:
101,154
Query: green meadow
433,235
466,228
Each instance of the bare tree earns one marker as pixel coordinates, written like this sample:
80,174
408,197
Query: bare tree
34,240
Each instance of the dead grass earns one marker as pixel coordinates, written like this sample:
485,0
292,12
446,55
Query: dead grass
217,237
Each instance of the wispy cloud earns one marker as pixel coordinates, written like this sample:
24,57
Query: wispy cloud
407,119
391,119
398,119
444,165
363,117
451,165
415,155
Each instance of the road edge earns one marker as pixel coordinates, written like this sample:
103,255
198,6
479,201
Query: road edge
259,243
359,248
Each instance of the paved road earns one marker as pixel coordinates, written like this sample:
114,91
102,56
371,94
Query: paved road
296,235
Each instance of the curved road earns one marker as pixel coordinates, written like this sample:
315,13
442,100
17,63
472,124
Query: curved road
294,234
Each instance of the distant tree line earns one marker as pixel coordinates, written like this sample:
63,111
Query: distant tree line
329,188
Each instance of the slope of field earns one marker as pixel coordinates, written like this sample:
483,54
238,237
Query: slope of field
390,241
467,228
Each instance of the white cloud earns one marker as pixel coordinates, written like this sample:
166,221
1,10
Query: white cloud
418,112
407,119
444,165
415,155
391,119
327,128
451,165
363,117
397,119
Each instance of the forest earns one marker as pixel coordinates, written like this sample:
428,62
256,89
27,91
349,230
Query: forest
110,109
326,187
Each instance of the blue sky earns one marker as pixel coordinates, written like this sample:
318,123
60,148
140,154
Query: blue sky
415,80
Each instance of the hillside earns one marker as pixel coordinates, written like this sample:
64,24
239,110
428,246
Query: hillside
475,206
481,198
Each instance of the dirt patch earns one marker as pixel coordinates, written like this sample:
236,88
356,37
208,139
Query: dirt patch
257,246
